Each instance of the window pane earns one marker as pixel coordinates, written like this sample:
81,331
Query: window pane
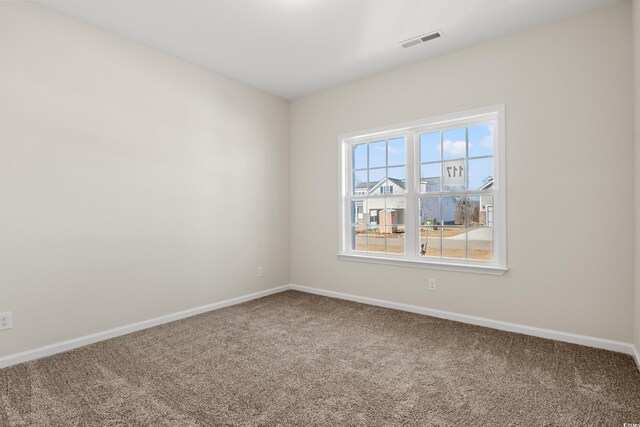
376,176
386,230
396,151
398,178
395,217
395,243
430,211
374,207
430,147
480,211
453,210
454,174
358,215
430,241
454,144
377,154
396,205
359,238
360,184
359,156
486,211
377,241
480,243
388,218
430,177
480,173
473,211
481,140
454,242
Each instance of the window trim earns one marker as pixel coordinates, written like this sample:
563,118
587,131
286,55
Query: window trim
410,129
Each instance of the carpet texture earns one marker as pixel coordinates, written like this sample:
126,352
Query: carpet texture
301,360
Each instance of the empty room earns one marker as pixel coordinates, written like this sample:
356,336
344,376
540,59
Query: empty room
320,213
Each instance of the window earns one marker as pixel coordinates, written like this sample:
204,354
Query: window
429,193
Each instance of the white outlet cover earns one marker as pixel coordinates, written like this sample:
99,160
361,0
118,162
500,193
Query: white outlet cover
5,321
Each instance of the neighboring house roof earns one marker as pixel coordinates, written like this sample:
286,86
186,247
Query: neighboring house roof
394,181
400,183
488,184
372,187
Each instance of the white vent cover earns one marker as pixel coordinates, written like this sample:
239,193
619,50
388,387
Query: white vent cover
421,39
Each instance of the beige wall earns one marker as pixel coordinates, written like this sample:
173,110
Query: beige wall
132,184
569,168
636,71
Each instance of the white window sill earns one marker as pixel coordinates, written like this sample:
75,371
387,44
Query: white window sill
436,265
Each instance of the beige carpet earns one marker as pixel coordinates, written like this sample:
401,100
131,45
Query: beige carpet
300,360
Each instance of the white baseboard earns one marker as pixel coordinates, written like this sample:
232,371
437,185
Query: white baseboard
617,346
60,347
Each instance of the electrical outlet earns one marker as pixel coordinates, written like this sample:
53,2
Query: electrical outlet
5,321
260,271
432,284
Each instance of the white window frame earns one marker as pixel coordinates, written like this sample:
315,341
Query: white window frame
411,131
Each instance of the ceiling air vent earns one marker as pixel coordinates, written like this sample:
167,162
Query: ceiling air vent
421,39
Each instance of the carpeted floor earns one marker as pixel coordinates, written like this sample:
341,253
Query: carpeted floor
301,360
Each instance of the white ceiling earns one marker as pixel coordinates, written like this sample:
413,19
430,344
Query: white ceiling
292,48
